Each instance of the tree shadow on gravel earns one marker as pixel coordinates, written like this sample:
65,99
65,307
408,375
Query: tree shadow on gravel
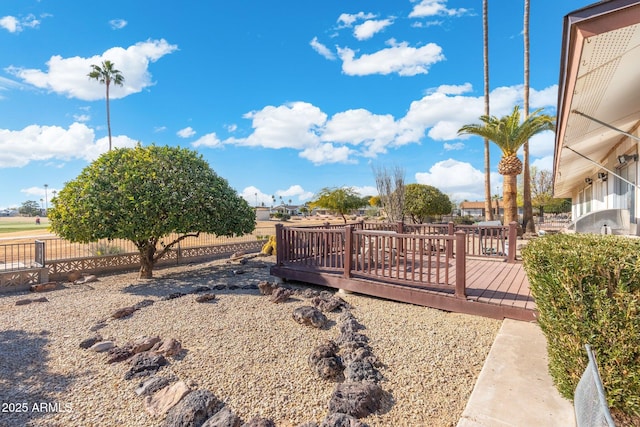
28,390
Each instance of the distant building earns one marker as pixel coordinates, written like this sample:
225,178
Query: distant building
477,208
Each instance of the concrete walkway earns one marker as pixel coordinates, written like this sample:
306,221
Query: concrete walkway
514,387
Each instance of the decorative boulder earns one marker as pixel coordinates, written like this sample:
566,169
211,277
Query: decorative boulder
44,287
142,343
223,418
165,399
356,399
151,385
328,303
362,370
87,343
280,295
168,347
193,410
266,288
307,315
118,354
173,295
206,298
324,361
102,346
142,304
144,364
123,312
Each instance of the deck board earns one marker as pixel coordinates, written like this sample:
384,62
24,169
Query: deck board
494,289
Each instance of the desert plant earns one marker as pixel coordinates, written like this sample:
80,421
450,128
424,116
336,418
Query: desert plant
587,290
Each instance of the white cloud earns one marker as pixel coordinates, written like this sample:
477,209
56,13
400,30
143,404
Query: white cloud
294,191
187,132
543,98
81,117
254,196
117,24
460,180
39,192
322,49
347,19
544,163
68,76
399,58
158,129
542,144
293,125
231,128
16,25
327,153
210,140
361,127
369,28
454,147
367,190
38,143
428,8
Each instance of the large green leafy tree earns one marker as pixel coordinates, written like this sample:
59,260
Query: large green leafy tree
107,75
145,194
30,208
509,134
338,200
424,201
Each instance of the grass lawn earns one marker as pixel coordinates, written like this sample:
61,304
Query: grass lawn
16,224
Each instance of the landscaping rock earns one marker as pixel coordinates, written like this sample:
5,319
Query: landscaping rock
259,422
356,399
118,354
351,340
267,288
219,287
173,295
324,361
280,295
44,287
206,298
143,343
360,354
144,303
307,315
362,370
328,303
98,326
168,347
342,420
144,364
73,276
152,385
200,289
165,399
123,312
23,301
309,293
86,279
193,410
90,342
102,346
223,418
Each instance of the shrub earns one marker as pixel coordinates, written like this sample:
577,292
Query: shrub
102,249
587,290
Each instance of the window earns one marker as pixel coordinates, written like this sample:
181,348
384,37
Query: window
625,193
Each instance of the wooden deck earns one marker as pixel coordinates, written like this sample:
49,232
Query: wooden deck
447,279
494,289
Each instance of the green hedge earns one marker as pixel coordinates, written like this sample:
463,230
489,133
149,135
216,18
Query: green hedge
587,290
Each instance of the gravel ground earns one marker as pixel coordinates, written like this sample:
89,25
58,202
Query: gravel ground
244,349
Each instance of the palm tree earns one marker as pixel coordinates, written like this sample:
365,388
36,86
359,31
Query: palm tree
487,162
527,218
107,74
509,135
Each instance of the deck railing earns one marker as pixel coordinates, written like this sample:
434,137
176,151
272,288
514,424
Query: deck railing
410,259
20,256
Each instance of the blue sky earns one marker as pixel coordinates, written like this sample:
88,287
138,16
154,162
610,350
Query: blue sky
281,98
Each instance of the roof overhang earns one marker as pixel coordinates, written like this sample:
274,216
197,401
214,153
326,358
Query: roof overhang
599,77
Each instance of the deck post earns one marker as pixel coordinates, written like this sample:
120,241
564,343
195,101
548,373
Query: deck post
450,231
279,244
513,236
461,268
400,230
348,250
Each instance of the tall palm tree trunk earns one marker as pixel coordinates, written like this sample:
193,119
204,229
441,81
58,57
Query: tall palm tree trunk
108,116
509,195
527,217
487,162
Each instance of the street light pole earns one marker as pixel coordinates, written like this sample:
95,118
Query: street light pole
46,201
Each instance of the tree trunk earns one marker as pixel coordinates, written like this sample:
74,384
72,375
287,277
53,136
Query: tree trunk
510,193
527,218
146,261
108,116
487,163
